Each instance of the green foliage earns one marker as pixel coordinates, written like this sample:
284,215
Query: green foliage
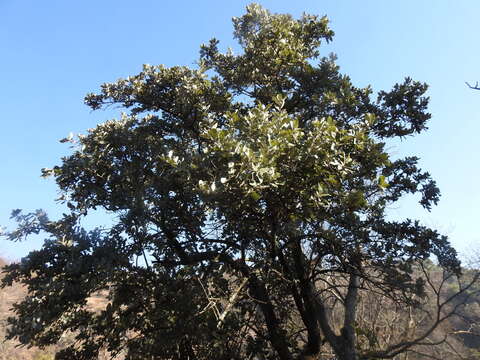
267,167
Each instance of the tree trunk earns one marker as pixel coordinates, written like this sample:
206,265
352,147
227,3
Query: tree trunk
275,332
348,331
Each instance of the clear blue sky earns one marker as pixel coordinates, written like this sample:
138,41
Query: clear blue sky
54,52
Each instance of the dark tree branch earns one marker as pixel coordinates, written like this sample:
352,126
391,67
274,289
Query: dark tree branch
476,87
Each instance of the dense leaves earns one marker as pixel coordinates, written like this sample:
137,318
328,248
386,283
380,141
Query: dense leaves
240,189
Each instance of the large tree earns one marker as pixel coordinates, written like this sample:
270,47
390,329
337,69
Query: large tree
249,197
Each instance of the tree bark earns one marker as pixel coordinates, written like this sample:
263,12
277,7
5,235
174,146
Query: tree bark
348,331
275,332
310,320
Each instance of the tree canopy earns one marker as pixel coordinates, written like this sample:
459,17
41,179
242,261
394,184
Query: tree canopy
249,196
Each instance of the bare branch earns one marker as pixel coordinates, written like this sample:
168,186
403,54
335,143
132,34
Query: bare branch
476,87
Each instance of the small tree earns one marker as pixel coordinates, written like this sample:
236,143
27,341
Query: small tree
246,192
